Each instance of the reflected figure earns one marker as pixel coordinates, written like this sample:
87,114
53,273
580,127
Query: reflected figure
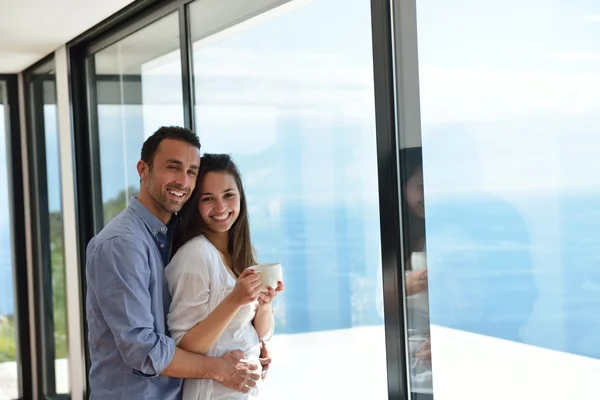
480,276
417,300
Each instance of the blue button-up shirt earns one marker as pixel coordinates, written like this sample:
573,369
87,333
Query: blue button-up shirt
127,302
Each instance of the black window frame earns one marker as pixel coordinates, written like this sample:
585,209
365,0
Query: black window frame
19,250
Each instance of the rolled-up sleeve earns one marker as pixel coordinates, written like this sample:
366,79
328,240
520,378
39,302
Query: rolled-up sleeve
120,276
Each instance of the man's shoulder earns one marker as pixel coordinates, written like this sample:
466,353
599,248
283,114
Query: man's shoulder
126,227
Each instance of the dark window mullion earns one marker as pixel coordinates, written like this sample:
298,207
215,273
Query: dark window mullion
389,198
187,74
42,267
93,147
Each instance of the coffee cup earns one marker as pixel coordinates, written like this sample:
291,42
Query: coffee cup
418,260
270,274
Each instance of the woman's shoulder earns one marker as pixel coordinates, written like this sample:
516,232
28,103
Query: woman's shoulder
197,245
197,249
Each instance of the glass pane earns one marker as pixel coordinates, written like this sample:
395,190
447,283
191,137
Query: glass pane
9,380
294,107
510,121
139,89
56,233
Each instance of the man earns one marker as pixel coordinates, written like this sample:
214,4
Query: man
131,354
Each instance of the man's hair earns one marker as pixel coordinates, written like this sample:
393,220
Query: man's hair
167,132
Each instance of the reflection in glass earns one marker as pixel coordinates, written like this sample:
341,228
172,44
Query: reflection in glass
510,145
8,329
416,281
138,87
294,106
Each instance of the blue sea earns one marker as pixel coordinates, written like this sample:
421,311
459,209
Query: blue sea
491,272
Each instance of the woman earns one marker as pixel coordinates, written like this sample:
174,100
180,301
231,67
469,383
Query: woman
217,305
417,301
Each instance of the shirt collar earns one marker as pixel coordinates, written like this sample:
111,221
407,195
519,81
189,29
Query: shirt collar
151,221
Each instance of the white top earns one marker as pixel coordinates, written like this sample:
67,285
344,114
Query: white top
198,281
417,308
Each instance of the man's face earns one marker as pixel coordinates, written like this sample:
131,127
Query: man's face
172,178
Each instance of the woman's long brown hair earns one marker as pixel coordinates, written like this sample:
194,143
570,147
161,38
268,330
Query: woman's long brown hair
191,224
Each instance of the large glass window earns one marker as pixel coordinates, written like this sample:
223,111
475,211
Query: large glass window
510,170
289,94
9,388
48,233
138,88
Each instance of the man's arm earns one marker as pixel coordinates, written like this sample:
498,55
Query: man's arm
119,275
229,370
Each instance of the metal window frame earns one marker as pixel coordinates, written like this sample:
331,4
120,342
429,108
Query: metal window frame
389,136
18,228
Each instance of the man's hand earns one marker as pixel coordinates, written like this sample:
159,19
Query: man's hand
265,359
237,374
424,352
416,282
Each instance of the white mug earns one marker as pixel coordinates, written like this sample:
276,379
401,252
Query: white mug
418,260
270,274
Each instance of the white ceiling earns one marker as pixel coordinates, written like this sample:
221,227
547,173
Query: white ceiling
32,29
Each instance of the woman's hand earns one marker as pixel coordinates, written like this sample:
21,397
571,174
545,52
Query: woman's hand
247,287
265,298
416,282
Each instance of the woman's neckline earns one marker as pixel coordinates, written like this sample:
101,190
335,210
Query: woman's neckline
222,259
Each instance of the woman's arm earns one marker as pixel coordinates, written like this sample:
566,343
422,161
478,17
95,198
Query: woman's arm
205,333
263,321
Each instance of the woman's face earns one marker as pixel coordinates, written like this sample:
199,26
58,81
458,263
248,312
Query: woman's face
219,203
415,195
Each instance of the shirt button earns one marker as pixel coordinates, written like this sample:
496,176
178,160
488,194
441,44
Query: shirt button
162,246
162,229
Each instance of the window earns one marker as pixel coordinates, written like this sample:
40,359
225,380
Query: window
289,94
510,118
138,88
8,320
48,231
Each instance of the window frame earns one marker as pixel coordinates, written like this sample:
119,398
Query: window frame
18,239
